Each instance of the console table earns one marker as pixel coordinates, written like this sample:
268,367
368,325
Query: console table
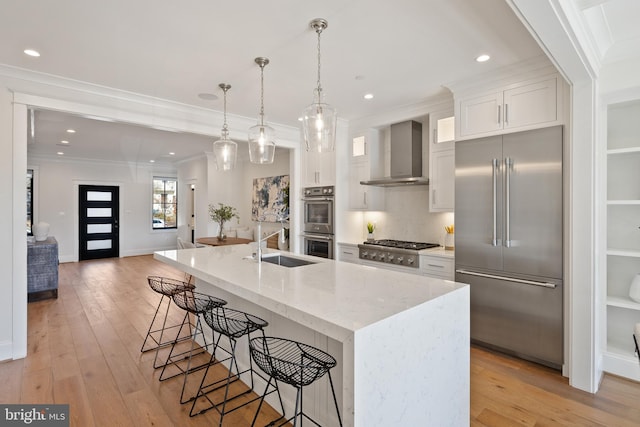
42,269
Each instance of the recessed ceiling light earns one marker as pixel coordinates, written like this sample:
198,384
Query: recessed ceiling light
32,52
60,153
368,96
71,131
208,96
152,161
483,58
64,142
172,153
299,119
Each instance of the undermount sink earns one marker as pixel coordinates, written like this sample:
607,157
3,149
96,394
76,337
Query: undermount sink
285,261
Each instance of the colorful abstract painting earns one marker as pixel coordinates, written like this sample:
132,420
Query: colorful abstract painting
270,201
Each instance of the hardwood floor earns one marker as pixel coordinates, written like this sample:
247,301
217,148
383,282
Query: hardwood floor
84,349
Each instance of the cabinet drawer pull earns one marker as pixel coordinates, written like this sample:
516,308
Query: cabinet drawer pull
435,265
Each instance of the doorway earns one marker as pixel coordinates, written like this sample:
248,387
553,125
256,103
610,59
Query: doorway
98,221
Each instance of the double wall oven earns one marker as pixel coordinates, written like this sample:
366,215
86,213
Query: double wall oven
318,226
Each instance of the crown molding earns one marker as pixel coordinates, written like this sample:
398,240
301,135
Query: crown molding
46,91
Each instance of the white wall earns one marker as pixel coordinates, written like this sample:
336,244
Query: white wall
57,195
13,323
233,188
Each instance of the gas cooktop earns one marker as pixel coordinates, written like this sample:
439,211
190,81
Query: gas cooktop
402,244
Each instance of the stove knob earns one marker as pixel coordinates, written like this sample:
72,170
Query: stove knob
364,254
400,259
410,260
373,255
381,257
391,257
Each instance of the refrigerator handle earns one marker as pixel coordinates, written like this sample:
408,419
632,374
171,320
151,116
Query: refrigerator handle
494,237
508,165
508,279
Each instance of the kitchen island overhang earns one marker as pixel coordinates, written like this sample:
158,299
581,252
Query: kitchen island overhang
403,339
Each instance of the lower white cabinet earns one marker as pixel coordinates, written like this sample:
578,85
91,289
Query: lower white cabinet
348,252
439,267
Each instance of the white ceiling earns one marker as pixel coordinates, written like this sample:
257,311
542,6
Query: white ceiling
403,52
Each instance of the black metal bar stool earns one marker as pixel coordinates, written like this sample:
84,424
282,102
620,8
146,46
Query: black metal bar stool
193,303
233,324
293,363
165,287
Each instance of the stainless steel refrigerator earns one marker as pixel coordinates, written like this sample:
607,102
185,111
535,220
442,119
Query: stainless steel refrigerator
508,241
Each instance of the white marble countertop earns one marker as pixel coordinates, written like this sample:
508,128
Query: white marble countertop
335,298
439,252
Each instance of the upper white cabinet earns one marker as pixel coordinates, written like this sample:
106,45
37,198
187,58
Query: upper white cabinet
320,168
623,237
520,106
441,161
366,162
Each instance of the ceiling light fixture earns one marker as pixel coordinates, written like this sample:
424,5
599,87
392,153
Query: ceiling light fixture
319,119
262,138
71,131
368,96
32,52
226,150
64,141
172,153
483,58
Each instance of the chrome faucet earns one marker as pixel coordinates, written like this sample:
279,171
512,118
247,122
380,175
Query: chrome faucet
258,254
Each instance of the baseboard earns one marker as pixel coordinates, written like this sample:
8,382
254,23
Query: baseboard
6,351
123,254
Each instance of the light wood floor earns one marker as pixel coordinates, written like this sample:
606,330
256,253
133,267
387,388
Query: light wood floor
84,349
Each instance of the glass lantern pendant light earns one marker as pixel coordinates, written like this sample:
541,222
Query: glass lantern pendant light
262,138
225,150
319,119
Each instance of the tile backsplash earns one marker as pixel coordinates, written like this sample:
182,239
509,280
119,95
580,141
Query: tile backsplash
407,217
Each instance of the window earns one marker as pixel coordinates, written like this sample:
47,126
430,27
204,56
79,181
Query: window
165,203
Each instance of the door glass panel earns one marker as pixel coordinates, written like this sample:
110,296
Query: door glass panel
98,212
98,244
98,196
98,228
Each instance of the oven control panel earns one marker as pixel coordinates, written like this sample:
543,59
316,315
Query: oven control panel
327,191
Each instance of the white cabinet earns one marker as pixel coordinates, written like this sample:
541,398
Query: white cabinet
521,106
439,267
348,252
366,162
441,162
623,237
320,168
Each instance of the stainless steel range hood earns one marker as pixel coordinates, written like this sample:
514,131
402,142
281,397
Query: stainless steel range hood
406,157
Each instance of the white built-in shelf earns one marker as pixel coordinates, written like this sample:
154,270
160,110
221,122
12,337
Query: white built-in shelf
623,302
624,150
623,252
623,202
627,352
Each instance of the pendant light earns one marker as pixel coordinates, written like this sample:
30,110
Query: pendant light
262,144
319,119
225,150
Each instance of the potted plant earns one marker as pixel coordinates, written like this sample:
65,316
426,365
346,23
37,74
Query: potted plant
370,228
222,214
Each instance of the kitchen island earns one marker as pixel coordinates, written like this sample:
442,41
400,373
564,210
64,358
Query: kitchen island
401,340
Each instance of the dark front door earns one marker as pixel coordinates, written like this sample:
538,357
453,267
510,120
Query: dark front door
99,222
